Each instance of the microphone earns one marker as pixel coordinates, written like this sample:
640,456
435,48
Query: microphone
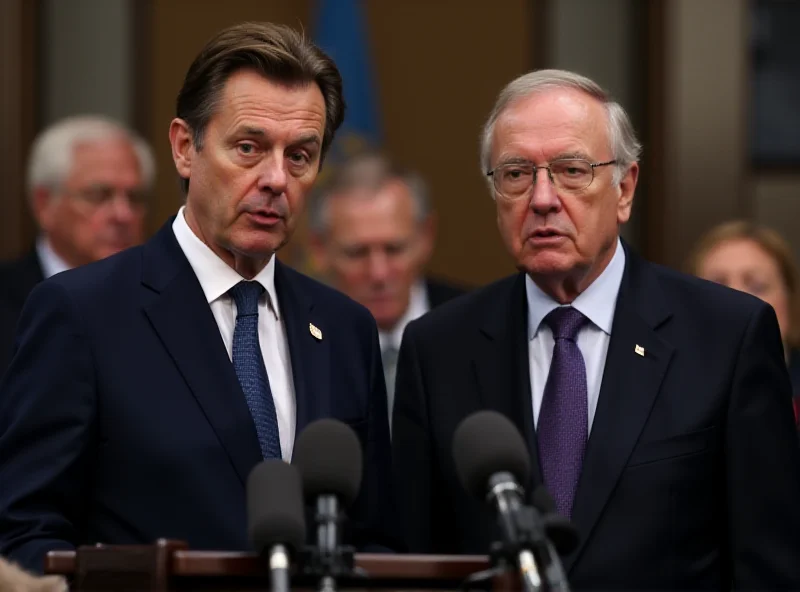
329,458
492,461
276,518
562,537
560,531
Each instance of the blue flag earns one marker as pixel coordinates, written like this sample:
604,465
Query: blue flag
342,33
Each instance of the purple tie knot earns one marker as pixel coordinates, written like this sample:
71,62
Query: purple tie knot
565,322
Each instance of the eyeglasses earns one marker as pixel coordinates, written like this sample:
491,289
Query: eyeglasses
98,196
514,181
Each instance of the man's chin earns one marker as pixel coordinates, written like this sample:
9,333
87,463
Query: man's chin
546,263
259,249
386,319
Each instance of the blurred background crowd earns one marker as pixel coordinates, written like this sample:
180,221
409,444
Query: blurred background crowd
401,219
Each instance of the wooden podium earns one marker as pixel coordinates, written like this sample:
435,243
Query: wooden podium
170,565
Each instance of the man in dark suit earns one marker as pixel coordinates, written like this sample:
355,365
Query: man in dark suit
372,235
656,406
77,169
147,386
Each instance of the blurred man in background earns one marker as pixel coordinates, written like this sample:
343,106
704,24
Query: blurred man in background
88,179
372,234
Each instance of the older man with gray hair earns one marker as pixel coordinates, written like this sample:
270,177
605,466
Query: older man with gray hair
372,234
655,406
88,182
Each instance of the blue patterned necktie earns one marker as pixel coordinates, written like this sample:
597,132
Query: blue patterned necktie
563,424
250,369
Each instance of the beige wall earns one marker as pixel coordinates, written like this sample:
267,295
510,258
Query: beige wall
776,203
86,61
708,177
705,172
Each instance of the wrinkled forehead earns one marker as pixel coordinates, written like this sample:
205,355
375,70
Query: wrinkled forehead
384,215
551,122
109,158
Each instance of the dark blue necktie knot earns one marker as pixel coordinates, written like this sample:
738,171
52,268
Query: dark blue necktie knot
246,295
565,322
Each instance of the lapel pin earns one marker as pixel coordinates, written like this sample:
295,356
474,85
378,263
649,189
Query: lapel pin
314,330
639,350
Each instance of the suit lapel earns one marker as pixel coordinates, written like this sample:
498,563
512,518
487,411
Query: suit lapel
310,354
502,367
636,363
186,326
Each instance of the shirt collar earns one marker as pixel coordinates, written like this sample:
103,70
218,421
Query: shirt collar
50,261
417,306
215,276
597,302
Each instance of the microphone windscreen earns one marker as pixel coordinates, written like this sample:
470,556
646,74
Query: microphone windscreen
328,455
543,501
275,512
487,443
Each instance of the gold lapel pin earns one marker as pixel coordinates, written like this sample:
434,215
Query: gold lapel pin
639,350
315,331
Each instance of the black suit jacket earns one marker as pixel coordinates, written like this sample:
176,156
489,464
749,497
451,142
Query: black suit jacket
122,419
440,291
17,279
691,478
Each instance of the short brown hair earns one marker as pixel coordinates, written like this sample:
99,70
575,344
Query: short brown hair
773,244
277,52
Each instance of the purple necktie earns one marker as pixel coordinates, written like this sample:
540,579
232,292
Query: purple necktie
563,418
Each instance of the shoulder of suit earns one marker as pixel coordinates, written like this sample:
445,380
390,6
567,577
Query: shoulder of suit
117,272
711,299
469,306
323,294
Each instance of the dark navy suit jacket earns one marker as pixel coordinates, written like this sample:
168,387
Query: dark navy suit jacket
691,477
122,420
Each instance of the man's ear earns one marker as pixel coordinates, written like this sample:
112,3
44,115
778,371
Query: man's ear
182,143
627,187
427,230
42,206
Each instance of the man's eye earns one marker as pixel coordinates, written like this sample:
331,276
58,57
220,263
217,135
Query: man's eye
247,148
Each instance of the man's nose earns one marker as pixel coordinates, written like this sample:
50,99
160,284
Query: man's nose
273,176
378,266
544,197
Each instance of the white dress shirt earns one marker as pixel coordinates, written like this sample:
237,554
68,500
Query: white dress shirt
216,278
597,303
390,340
49,260
418,305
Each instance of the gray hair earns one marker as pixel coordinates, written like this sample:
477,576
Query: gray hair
621,135
366,173
52,153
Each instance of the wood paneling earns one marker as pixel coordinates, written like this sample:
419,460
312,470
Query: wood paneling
18,101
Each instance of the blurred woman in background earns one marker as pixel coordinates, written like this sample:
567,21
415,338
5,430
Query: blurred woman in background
756,260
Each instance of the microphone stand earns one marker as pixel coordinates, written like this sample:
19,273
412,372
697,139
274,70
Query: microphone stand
279,569
327,560
525,542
